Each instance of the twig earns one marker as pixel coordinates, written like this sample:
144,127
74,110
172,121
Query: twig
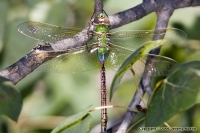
98,7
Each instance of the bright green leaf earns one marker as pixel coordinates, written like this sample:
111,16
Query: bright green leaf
78,123
179,91
10,100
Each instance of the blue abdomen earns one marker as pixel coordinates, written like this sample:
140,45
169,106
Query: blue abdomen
103,56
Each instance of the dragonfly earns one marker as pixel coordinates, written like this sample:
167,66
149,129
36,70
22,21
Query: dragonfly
106,49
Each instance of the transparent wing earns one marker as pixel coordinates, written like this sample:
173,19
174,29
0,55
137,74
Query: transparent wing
46,32
70,62
116,56
79,61
157,66
131,40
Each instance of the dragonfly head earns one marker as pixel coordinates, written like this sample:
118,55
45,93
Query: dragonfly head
101,19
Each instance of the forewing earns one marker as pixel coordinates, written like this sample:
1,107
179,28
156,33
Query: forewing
46,32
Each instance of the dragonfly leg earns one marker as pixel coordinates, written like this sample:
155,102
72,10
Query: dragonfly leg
89,32
105,13
92,18
93,48
108,35
87,49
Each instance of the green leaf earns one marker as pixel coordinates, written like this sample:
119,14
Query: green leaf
10,100
179,91
133,58
78,123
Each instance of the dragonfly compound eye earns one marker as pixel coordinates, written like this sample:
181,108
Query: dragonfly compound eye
101,19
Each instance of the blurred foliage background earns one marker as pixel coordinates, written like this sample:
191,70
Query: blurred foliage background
49,98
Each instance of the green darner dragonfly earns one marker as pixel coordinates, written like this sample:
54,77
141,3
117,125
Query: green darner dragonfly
105,50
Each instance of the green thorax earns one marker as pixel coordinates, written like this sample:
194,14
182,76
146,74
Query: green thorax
102,22
101,32
102,41
102,28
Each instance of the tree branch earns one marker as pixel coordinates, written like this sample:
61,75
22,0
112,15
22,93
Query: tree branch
98,7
